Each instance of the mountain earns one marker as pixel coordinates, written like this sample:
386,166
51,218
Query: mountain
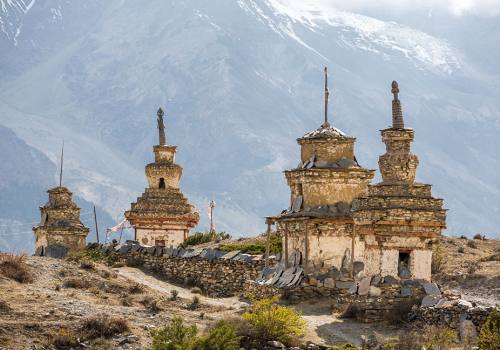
26,175
240,81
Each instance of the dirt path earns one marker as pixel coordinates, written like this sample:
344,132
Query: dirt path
152,282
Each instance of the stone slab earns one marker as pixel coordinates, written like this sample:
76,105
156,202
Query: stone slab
345,284
406,292
364,286
430,300
431,289
374,291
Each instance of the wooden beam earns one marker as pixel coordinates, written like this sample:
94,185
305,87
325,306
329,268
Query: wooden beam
269,222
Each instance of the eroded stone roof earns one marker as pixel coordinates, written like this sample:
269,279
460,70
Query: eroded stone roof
324,131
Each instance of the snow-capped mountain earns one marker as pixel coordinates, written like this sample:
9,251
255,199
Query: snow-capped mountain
240,81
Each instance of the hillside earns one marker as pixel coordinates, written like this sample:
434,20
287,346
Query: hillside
239,82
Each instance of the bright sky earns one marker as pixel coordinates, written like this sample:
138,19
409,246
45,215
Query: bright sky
486,8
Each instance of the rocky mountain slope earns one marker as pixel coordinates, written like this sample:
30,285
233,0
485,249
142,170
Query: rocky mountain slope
240,81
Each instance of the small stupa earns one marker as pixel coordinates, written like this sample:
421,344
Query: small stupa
162,216
60,230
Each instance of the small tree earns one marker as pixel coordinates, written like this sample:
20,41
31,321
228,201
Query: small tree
489,336
274,322
220,337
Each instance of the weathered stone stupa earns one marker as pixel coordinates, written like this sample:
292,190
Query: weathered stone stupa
399,220
317,228
60,229
162,215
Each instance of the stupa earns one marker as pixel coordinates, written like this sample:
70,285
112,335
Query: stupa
162,216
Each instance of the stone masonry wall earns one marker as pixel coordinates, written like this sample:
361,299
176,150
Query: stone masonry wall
216,276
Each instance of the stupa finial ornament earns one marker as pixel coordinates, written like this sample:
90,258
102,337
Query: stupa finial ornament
161,127
397,113
326,124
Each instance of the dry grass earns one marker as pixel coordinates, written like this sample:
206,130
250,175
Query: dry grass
63,338
103,327
14,267
76,283
136,288
4,307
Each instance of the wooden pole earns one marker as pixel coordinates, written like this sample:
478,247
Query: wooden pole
62,159
268,240
286,245
96,228
121,232
306,253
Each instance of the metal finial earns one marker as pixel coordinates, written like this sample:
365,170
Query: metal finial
397,113
327,94
62,159
161,127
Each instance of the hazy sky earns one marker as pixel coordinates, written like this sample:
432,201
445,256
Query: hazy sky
487,8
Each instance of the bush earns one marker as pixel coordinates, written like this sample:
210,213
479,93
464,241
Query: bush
151,304
63,338
127,300
461,250
220,337
86,264
76,283
4,307
136,288
399,314
196,290
103,327
275,246
472,244
205,237
93,255
492,257
174,294
174,336
438,258
14,267
479,236
178,336
195,303
428,337
274,322
489,336
473,267
463,237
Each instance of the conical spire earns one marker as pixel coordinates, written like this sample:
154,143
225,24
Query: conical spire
397,113
326,124
161,127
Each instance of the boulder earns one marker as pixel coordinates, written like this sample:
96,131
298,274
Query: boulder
329,282
376,280
406,292
464,304
389,280
344,284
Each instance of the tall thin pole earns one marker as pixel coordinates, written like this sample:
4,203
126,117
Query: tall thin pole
96,228
212,206
327,94
121,232
269,222
62,159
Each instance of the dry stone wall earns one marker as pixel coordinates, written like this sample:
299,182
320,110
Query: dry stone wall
217,273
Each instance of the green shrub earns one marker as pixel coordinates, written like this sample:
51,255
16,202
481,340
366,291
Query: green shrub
174,336
220,337
489,336
438,258
275,246
92,255
205,237
63,338
274,322
428,337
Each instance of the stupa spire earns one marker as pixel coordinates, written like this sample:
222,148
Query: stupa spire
161,127
326,124
397,113
61,169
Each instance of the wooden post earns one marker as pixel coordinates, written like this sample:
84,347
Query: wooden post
286,245
306,253
96,228
269,222
352,249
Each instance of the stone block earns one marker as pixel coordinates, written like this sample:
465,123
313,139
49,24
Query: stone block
358,266
344,284
390,280
431,289
406,292
376,280
329,282
430,300
464,304
374,291
353,289
364,286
